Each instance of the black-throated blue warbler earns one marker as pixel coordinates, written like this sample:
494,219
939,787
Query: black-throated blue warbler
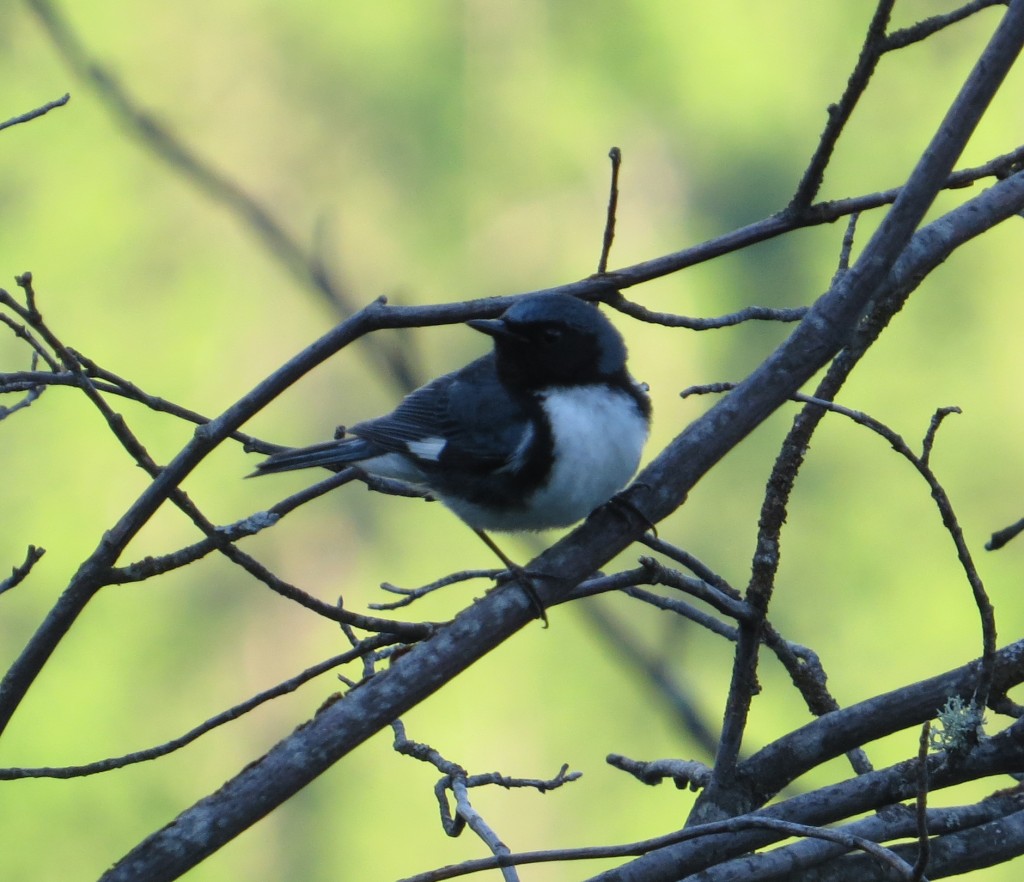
534,435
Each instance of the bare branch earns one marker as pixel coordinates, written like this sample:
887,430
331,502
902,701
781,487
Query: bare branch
775,766
458,781
876,43
809,859
823,806
20,330
1001,537
615,155
839,114
410,595
893,294
933,427
32,394
844,839
924,29
365,648
39,111
923,845
685,773
669,320
949,521
20,572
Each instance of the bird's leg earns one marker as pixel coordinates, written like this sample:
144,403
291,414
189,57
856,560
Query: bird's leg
518,572
491,544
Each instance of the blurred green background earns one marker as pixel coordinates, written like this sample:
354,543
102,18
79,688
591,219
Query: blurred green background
448,150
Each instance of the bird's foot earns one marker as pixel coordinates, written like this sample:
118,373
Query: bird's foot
526,579
625,507
518,574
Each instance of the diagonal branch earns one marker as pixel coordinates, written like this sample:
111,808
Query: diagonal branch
839,114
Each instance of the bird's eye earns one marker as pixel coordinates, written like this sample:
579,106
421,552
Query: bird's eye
551,335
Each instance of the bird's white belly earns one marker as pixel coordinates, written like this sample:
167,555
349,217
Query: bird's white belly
598,438
598,441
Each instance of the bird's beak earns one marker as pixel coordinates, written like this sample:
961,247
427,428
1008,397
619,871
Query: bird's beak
496,328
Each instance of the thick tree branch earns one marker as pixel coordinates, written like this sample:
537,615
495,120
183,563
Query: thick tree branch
1002,754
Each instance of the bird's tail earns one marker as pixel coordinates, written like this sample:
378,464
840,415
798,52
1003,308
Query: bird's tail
329,454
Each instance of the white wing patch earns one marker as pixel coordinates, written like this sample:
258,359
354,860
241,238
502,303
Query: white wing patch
427,448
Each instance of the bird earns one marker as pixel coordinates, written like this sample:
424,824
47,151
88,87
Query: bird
535,435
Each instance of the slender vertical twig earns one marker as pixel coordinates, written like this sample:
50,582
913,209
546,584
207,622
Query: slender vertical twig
613,201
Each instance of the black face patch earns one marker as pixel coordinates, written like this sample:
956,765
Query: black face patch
546,354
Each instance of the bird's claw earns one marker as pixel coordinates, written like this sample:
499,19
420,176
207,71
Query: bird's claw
526,579
621,503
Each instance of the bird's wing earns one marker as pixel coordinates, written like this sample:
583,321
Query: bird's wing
466,418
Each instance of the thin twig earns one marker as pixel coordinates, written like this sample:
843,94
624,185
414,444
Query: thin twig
921,806
938,493
366,647
687,611
39,111
685,773
696,566
31,315
21,381
1001,537
464,809
28,399
20,572
615,155
671,320
802,665
723,601
877,43
409,595
949,521
923,29
839,114
156,565
120,386
22,332
846,249
458,781
731,825
933,428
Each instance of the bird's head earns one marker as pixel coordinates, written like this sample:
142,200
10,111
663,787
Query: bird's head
554,339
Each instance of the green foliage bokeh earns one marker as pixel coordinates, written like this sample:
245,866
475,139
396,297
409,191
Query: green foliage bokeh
441,151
